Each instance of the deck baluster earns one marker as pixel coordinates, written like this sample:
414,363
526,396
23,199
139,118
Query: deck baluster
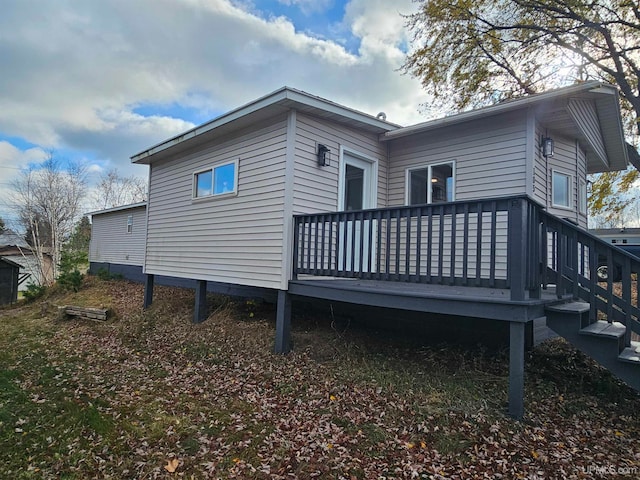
418,243
479,221
452,261
440,242
492,262
465,246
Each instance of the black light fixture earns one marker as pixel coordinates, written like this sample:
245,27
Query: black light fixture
547,146
324,159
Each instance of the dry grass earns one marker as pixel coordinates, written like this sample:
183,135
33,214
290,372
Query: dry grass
148,392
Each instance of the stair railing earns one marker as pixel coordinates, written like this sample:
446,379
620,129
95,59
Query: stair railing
589,269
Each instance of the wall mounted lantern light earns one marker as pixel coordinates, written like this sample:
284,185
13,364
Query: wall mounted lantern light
547,146
324,158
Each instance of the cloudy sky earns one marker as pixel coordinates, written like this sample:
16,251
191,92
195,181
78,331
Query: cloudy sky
98,81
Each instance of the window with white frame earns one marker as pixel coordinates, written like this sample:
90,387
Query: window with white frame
431,184
560,190
219,180
582,200
130,224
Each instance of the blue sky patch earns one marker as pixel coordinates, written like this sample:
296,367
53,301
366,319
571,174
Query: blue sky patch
321,20
18,142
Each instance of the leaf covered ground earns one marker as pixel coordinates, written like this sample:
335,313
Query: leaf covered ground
148,394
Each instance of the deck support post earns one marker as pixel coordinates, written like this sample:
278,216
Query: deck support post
516,369
148,290
200,309
283,323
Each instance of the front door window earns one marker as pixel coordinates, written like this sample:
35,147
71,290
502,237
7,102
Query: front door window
354,188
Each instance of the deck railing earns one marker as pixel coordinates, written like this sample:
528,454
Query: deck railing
510,243
481,243
590,269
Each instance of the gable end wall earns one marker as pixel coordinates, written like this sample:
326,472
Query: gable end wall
570,159
234,239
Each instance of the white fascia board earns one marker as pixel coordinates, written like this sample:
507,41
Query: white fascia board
258,104
618,160
284,93
328,106
118,209
506,106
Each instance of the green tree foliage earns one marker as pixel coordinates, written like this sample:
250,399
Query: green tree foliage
69,276
469,53
75,256
81,236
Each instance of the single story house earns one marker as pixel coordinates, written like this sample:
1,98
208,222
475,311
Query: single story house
481,214
118,240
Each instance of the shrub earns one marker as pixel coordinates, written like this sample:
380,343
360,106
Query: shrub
70,277
34,291
103,274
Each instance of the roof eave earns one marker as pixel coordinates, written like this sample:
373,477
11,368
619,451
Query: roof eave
10,262
120,208
615,143
490,110
279,96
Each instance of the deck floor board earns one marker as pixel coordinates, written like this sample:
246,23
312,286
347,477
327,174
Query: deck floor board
489,303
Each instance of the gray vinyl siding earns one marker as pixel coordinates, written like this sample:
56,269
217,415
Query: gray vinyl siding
569,159
232,239
581,175
489,156
540,171
566,160
490,161
316,188
110,242
586,117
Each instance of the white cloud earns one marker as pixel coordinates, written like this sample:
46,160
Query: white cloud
12,160
79,69
12,157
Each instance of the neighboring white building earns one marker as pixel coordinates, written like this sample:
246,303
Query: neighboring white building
118,239
33,271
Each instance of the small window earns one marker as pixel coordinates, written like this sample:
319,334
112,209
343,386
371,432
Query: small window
431,184
130,224
219,180
202,183
582,206
560,190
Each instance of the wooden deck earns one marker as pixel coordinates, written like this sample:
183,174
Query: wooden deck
477,302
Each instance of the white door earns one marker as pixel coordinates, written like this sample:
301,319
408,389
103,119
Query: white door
358,192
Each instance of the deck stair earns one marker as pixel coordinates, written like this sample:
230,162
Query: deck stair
601,340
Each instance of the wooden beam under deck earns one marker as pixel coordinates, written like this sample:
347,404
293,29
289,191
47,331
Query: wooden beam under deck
488,303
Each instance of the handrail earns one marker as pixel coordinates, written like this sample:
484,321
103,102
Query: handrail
481,243
572,259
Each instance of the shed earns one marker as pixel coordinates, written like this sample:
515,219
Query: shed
9,273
